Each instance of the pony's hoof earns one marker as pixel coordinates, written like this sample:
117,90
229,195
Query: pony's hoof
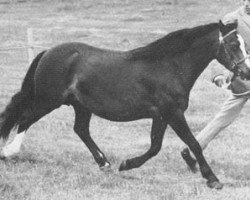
123,166
2,156
215,184
191,162
106,168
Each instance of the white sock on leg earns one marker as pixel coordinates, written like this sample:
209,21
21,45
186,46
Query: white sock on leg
13,147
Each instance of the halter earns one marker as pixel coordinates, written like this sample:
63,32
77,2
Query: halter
235,66
225,36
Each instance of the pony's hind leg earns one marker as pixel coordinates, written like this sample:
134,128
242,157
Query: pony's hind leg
81,127
29,117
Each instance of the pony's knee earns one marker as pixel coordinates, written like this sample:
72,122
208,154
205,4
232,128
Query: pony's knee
79,128
195,148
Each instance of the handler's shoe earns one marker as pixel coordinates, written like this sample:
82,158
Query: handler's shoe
190,161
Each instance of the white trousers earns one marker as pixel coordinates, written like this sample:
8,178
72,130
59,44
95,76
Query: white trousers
229,111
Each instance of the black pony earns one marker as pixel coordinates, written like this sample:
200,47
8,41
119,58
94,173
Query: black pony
148,82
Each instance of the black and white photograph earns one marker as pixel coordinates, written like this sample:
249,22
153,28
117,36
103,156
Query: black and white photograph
124,100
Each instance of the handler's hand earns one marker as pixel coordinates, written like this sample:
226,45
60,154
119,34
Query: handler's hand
220,81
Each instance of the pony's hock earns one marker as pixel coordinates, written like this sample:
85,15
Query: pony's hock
153,81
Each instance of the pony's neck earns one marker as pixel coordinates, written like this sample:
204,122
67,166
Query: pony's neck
174,43
200,55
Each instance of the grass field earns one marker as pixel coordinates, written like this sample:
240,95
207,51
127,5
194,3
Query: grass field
55,164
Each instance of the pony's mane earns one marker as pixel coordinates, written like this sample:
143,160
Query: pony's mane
173,43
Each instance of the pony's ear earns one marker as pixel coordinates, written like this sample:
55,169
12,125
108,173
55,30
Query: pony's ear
225,28
221,26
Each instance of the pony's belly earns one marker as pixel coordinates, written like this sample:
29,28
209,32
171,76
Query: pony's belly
115,110
122,116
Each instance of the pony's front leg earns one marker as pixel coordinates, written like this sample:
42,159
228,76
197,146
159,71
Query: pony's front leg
12,148
180,126
158,129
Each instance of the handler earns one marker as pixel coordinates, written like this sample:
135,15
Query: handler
240,89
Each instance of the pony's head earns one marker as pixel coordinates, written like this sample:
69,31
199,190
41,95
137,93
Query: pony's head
232,52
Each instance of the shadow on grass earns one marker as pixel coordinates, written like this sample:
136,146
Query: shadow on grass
22,159
38,161
238,172
128,177
237,184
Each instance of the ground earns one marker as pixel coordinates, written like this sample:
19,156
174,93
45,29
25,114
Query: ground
55,164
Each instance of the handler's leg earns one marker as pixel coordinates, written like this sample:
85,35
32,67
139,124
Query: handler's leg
229,111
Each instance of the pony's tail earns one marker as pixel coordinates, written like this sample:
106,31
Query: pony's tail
20,101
